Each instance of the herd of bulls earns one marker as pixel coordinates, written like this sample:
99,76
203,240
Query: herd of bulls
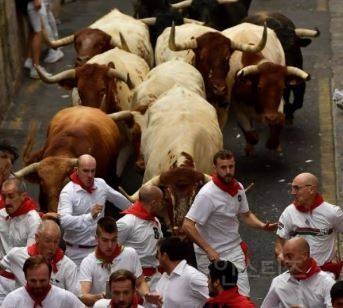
216,60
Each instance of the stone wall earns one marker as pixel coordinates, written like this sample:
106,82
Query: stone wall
13,35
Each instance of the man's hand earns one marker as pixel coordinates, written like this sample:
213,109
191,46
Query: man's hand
154,298
37,4
212,255
96,210
270,227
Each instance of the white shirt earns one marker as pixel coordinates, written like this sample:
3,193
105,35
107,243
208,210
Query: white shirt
286,291
142,235
215,213
56,298
18,231
184,287
318,227
75,205
105,303
65,278
92,271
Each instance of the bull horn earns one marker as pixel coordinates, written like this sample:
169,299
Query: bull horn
120,115
193,21
26,170
154,181
291,70
150,21
252,48
182,4
226,1
301,32
75,97
123,43
248,70
191,44
207,177
55,78
60,42
112,72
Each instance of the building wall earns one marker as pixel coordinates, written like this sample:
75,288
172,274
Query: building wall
13,37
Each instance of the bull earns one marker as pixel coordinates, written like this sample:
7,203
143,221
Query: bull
104,34
218,14
72,131
105,81
256,84
180,134
209,51
291,39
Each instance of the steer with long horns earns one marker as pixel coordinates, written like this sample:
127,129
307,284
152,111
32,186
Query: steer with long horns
104,34
256,84
72,132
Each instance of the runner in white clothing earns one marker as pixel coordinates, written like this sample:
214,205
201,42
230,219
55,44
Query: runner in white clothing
123,291
81,205
141,229
108,257
19,219
64,271
310,217
38,292
181,285
212,221
304,284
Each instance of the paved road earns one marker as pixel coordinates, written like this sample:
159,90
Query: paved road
308,143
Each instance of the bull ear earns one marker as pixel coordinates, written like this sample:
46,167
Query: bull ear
111,65
303,42
294,80
68,84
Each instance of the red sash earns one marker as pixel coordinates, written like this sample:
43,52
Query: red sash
332,267
231,188
74,178
105,260
27,206
37,298
59,254
229,298
137,209
317,201
2,202
313,269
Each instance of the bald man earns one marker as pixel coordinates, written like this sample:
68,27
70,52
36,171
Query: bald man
82,204
64,270
310,217
304,284
141,229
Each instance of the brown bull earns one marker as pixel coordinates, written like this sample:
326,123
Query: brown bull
72,132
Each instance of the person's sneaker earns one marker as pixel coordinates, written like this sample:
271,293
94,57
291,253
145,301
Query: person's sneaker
34,73
53,56
28,63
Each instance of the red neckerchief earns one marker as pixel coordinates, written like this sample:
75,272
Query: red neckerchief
37,299
74,178
139,211
105,260
2,202
317,201
59,254
229,298
133,305
27,206
231,188
313,269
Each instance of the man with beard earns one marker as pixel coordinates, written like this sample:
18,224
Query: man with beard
123,288
310,217
64,271
38,292
304,284
19,219
212,221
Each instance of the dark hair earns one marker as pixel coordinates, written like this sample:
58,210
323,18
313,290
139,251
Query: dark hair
222,154
107,224
173,246
336,291
6,147
225,272
34,262
122,275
